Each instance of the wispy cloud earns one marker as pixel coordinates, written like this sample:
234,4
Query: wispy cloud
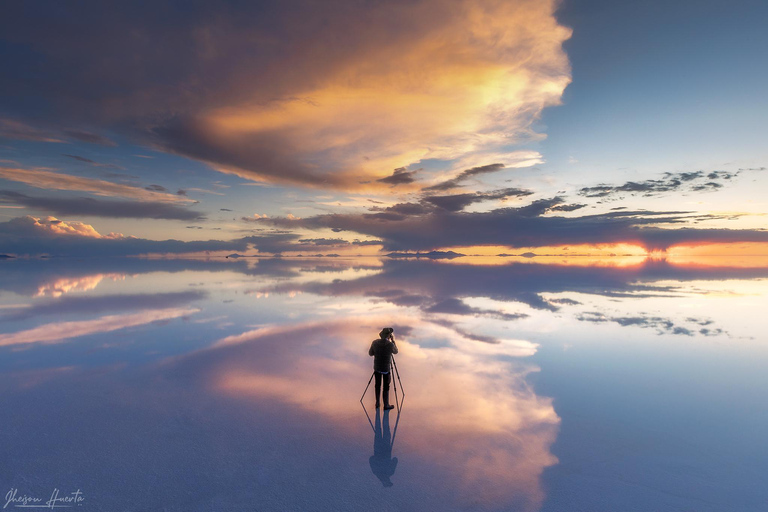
14,129
93,162
694,326
88,206
695,181
99,304
61,331
11,129
52,180
89,137
464,175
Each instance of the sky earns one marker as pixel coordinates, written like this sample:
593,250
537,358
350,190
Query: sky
369,127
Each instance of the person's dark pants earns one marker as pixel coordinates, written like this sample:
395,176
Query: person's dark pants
387,379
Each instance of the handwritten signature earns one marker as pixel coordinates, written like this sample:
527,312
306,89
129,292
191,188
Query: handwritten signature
56,500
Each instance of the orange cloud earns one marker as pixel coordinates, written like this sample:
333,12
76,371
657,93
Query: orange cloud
458,80
51,180
53,226
64,285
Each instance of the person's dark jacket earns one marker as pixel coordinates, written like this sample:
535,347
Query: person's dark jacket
382,351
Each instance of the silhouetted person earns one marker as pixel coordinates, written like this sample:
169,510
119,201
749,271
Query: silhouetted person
382,350
382,463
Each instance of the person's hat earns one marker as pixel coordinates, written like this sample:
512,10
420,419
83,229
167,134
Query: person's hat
385,332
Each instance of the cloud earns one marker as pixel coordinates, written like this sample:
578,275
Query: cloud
401,176
662,325
11,129
417,227
433,203
254,218
458,202
328,99
93,162
60,331
90,138
51,226
160,188
99,304
50,180
34,236
495,407
567,207
334,242
456,306
424,285
670,182
464,175
98,208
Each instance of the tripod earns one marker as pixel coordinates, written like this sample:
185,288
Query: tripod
393,371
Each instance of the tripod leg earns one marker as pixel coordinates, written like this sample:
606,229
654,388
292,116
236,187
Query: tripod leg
398,377
366,387
394,385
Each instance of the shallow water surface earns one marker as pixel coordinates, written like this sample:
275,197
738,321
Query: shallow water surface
524,385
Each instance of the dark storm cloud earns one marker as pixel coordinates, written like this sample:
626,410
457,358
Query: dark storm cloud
464,175
101,208
401,176
670,182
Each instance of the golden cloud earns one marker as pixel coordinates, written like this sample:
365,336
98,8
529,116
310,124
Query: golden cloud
461,79
53,226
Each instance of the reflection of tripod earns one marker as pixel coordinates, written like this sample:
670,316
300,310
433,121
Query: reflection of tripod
393,371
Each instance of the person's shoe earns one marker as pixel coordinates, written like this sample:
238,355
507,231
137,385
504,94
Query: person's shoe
377,405
388,407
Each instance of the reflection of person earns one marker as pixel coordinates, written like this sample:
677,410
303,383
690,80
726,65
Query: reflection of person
382,463
382,350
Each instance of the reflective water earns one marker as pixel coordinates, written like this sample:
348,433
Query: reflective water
529,384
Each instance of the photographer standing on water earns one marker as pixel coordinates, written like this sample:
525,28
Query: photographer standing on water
382,350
